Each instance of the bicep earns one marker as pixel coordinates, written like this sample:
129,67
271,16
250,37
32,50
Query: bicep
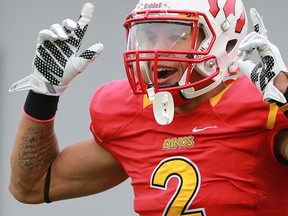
82,169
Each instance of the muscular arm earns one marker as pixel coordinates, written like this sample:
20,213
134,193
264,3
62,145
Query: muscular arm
35,148
81,169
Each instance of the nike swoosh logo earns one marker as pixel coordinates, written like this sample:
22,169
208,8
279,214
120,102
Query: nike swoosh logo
195,130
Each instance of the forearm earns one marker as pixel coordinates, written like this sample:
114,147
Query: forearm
34,150
56,62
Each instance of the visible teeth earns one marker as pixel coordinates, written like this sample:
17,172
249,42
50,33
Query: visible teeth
165,69
164,72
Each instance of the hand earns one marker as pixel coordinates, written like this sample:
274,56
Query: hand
57,60
271,64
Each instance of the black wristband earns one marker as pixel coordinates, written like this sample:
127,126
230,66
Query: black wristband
47,186
284,107
40,107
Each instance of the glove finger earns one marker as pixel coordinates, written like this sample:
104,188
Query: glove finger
248,37
69,26
86,14
58,30
258,23
246,67
245,55
97,48
252,36
46,35
252,41
254,44
88,56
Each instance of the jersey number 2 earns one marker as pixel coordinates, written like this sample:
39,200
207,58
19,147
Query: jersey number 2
189,183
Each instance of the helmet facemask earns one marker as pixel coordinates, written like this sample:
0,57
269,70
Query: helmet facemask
164,49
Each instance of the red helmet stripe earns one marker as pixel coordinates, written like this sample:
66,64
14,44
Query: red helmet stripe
240,23
214,8
229,7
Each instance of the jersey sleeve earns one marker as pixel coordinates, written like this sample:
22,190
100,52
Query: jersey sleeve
112,107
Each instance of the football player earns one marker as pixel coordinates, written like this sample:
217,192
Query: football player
193,140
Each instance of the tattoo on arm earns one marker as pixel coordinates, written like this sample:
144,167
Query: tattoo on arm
38,148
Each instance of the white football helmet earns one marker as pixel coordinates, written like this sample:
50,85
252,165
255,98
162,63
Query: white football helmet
224,24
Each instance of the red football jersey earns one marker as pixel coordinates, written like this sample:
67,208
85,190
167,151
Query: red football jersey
215,160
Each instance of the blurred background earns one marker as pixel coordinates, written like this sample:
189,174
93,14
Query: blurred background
21,22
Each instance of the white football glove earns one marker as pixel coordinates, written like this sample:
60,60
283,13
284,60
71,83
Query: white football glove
57,60
270,65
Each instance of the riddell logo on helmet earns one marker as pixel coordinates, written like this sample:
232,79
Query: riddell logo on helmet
153,6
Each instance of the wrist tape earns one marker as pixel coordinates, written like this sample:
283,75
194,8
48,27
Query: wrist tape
284,107
39,107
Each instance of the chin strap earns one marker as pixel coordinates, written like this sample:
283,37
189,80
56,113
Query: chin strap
164,104
163,108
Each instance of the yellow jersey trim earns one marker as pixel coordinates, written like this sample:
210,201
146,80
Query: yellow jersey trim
215,100
97,137
273,109
146,101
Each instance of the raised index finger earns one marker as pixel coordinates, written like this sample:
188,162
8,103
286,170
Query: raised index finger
86,14
258,23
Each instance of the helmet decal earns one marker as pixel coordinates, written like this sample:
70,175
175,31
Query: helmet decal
214,8
240,22
229,8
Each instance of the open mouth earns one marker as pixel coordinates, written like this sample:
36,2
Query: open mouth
165,74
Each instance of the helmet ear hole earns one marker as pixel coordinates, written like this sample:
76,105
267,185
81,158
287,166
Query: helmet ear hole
230,45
